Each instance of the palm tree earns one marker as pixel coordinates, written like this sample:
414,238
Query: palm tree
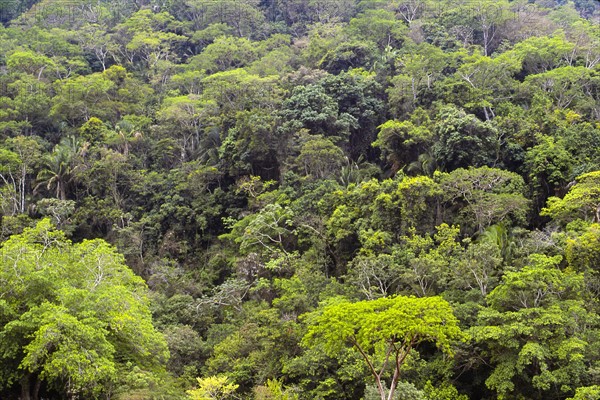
425,165
60,165
124,134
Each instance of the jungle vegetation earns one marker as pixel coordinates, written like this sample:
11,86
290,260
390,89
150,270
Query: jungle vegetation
300,199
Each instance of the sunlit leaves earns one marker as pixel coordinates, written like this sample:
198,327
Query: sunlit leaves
383,328
69,310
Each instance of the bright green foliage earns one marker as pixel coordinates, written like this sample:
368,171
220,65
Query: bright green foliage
446,392
257,349
420,67
72,315
581,201
383,331
549,166
537,331
213,388
148,38
586,393
106,95
274,390
59,167
29,62
583,251
487,81
431,260
543,53
225,53
312,108
243,18
480,266
418,197
268,231
21,109
16,166
400,141
484,196
566,87
378,26
189,116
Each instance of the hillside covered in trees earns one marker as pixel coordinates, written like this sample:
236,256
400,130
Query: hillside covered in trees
300,199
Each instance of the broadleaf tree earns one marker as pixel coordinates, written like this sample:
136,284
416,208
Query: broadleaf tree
384,331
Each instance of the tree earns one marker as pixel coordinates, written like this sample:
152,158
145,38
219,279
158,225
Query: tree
147,38
213,388
420,67
480,267
402,142
312,108
430,260
540,54
586,393
73,316
549,165
94,39
384,331
488,81
28,152
188,115
378,26
269,232
225,53
484,196
419,196
59,166
568,88
320,158
463,140
537,332
581,201
243,17
24,105
583,255
106,95
274,390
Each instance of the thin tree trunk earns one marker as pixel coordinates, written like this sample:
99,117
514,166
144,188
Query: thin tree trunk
36,389
25,387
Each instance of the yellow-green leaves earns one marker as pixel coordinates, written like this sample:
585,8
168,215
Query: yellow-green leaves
537,331
72,313
582,200
213,388
383,328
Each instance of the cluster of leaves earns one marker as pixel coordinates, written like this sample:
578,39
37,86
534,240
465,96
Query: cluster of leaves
328,199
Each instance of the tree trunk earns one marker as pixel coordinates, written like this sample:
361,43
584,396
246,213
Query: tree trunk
36,389
380,388
25,387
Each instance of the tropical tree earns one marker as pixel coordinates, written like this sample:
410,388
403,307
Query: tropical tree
537,331
59,166
484,196
384,331
581,201
73,317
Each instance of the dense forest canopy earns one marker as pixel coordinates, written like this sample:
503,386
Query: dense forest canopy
300,199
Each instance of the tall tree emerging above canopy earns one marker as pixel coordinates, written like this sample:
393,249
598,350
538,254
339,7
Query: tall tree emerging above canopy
74,318
383,331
